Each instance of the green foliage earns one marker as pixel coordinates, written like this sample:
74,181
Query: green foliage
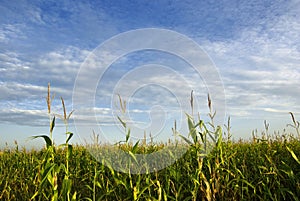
242,171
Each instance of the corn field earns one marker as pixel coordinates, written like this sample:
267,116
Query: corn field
264,168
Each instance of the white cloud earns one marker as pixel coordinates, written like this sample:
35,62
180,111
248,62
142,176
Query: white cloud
63,63
23,117
279,111
254,45
9,32
260,67
58,67
10,62
22,89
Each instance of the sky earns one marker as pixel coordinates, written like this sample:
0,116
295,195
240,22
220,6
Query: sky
249,49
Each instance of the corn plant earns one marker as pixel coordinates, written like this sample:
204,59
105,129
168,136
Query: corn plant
67,182
49,169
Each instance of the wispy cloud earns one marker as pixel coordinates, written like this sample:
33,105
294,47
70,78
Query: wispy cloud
255,46
260,67
10,32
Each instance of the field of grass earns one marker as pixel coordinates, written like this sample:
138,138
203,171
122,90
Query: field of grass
264,168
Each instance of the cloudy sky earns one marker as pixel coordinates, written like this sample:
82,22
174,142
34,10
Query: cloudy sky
252,47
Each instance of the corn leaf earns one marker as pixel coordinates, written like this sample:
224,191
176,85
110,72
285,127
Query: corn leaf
45,137
293,154
52,124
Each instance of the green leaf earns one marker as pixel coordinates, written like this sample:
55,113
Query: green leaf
293,154
211,137
66,186
186,139
52,124
122,122
201,136
90,188
62,167
218,133
35,194
134,148
97,183
192,129
74,196
127,135
46,138
70,136
47,174
133,156
70,150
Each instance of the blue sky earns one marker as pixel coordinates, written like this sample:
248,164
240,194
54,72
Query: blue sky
255,46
